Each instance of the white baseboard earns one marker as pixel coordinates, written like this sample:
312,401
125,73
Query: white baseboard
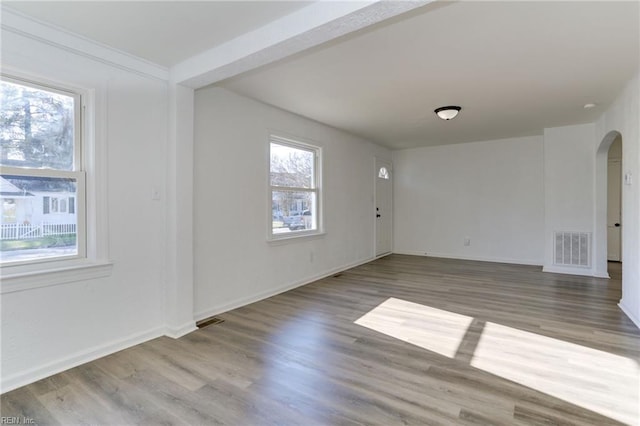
476,258
216,310
628,313
583,272
177,332
24,378
601,274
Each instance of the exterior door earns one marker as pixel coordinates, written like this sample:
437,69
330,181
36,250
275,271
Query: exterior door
384,207
614,225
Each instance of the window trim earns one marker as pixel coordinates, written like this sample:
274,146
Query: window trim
77,172
295,143
92,261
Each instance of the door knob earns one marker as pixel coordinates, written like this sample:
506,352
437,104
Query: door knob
617,225
377,215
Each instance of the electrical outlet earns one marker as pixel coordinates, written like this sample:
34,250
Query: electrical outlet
467,241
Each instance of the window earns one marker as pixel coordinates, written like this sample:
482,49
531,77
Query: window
58,205
294,188
383,173
42,181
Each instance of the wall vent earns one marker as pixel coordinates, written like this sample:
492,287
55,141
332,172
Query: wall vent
572,249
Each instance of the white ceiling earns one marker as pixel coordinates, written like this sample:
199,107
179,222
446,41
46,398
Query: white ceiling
163,32
514,67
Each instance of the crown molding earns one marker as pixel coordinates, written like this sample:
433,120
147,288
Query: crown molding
26,26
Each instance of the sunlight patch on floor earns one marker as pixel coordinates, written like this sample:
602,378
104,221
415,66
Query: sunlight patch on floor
429,328
596,380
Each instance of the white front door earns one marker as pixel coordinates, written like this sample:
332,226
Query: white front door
614,225
384,207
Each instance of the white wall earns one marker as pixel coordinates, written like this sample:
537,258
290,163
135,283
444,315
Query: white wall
488,191
568,187
234,263
49,329
622,117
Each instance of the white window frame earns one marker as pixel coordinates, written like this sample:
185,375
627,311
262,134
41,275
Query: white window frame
89,172
316,189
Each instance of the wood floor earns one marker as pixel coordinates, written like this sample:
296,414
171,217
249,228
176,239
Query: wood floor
401,340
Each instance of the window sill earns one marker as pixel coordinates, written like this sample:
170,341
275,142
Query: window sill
13,282
295,238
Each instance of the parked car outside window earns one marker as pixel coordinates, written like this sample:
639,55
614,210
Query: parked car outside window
299,221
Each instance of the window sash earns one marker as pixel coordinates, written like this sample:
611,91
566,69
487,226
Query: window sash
302,147
77,116
81,221
314,189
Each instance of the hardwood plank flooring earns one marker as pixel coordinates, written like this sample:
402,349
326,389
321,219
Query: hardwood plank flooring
401,340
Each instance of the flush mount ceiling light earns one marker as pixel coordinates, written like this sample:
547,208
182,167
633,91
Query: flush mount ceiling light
589,106
447,112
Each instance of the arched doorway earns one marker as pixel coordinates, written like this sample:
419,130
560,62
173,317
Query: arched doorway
605,223
614,202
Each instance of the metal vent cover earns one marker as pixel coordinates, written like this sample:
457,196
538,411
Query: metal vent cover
572,249
209,321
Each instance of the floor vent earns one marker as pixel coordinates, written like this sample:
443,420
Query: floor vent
572,249
209,321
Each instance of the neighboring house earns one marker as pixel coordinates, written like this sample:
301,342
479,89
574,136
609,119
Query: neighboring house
29,201
15,202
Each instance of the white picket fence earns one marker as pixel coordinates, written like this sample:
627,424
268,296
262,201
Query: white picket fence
19,231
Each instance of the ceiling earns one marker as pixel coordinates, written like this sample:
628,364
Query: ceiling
515,68
163,32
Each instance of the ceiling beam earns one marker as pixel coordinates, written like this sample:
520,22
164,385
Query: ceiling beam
311,26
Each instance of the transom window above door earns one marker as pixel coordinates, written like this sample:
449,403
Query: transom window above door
383,173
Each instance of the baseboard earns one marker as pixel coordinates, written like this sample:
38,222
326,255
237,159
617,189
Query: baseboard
628,313
380,256
583,272
237,303
21,379
177,332
475,258
601,274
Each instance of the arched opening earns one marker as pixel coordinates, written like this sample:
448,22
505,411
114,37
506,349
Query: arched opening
608,220
614,202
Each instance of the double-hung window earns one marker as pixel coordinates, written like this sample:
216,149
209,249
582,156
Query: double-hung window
294,173
42,181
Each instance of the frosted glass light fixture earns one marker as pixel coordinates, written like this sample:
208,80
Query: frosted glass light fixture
447,112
